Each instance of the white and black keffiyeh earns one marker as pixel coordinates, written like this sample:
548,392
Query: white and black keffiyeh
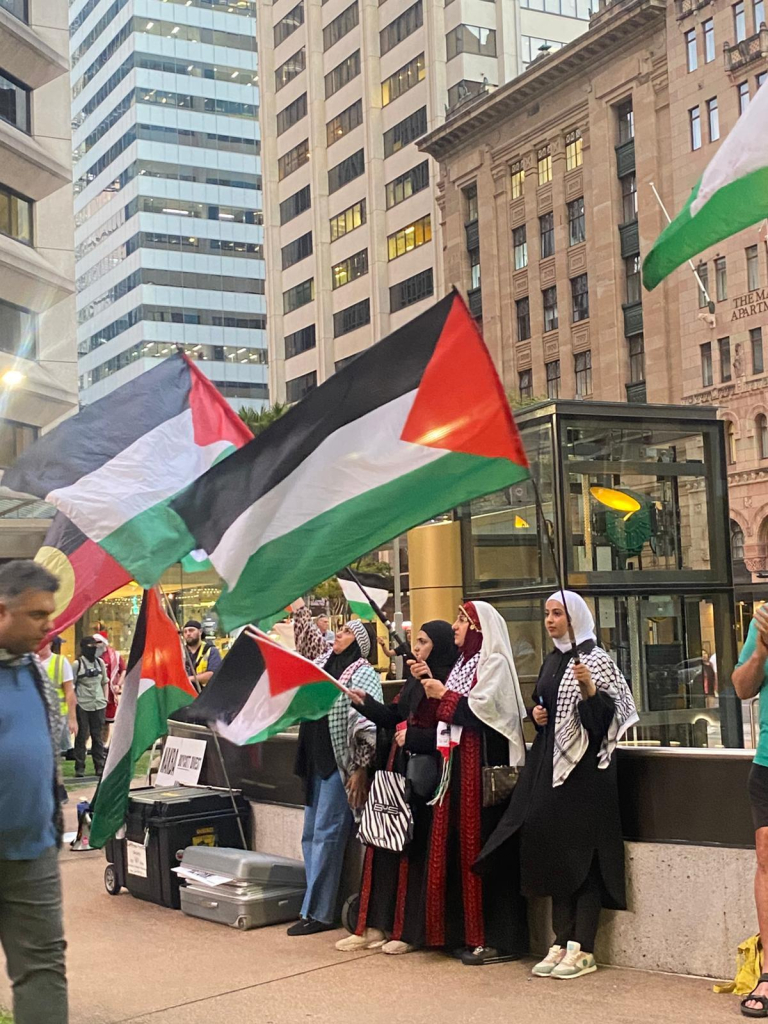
462,675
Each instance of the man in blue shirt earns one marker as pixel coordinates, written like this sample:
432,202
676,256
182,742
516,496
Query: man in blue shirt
31,928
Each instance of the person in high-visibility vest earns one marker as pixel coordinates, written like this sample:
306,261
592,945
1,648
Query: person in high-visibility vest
59,671
201,655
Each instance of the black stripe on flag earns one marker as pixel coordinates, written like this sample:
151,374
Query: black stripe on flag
386,371
139,641
102,430
230,686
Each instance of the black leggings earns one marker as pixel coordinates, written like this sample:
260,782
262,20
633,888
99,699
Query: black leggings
575,918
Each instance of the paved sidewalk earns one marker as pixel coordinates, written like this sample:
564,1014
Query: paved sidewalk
131,961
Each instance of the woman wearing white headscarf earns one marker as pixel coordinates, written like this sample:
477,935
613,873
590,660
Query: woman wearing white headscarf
566,806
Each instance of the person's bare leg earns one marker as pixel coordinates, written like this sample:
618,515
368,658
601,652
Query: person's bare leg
761,902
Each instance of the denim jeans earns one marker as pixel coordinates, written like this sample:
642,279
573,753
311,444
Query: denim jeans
32,936
327,822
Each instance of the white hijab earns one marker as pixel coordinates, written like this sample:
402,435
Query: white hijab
496,698
581,619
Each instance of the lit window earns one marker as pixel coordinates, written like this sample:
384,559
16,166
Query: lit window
573,153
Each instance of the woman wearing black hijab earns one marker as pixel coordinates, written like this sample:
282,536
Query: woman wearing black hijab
392,891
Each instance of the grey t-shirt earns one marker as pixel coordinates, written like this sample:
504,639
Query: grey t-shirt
90,680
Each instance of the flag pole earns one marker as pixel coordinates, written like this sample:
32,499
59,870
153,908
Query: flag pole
710,303
402,647
558,568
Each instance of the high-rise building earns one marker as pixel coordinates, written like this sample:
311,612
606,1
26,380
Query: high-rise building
349,200
168,210
38,359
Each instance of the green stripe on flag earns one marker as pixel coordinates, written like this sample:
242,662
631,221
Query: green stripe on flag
310,703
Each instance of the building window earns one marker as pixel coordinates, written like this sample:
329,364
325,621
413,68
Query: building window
724,348
402,27
409,75
349,269
544,165
579,298
546,236
300,341
633,280
470,204
525,385
707,375
297,250
762,435
407,185
713,120
410,291
753,268
703,272
582,363
18,330
549,301
344,123
636,359
523,311
721,279
300,387
353,217
15,216
694,120
520,247
293,67
737,542
470,39
342,74
629,197
292,114
576,224
573,151
299,295
14,102
756,344
759,79
625,117
518,180
406,131
739,21
288,25
709,40
412,236
463,90
692,55
293,160
758,9
553,379
295,204
349,319
743,91
346,171
730,443
474,269
341,25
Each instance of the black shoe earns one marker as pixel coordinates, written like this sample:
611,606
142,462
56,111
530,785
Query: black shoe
79,775
482,955
307,926
70,754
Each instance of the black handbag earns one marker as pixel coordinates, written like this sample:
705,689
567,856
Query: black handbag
422,774
499,780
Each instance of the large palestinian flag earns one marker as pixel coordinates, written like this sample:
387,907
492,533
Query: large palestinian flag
262,689
156,684
416,425
113,468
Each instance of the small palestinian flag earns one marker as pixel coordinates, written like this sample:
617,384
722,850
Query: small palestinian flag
86,573
414,426
156,685
113,468
262,689
357,596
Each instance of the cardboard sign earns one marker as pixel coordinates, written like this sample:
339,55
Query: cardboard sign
181,763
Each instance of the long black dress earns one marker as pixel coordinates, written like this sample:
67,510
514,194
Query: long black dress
564,829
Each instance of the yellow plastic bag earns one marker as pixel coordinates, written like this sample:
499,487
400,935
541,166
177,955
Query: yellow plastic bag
749,967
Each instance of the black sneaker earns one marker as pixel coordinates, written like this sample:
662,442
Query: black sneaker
482,955
307,926
79,775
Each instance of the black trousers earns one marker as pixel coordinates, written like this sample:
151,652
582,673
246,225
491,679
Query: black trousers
576,918
90,723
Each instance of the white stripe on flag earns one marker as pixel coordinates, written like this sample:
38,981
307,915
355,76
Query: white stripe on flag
259,711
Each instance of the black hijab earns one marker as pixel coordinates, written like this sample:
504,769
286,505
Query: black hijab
445,653
337,664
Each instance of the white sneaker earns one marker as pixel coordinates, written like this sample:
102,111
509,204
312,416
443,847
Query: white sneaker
544,967
371,938
575,963
396,948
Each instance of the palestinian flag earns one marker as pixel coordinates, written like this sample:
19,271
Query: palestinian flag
262,689
113,468
414,426
357,597
156,685
86,573
732,194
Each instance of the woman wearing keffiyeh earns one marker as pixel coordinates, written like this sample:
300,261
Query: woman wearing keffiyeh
566,805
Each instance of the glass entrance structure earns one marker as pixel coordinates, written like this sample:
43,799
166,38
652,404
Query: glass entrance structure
634,502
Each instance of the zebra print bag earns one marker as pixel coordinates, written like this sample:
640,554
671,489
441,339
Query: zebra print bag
387,820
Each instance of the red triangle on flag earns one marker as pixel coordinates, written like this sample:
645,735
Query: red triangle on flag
286,670
162,660
460,405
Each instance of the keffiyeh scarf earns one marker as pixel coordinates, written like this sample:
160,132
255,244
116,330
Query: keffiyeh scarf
449,736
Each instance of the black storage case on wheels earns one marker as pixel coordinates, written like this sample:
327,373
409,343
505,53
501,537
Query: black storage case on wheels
165,822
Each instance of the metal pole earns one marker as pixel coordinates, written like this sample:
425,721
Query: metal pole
558,569
379,613
398,601
229,787
700,283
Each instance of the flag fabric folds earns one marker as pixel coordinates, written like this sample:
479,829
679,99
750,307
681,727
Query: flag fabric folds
156,685
414,426
357,597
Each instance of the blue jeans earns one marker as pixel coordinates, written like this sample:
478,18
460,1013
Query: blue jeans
327,822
